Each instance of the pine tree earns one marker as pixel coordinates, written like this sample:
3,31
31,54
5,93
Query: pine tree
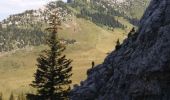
11,97
69,1
131,32
0,26
52,78
1,97
117,45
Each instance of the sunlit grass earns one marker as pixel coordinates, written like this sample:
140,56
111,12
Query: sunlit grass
93,44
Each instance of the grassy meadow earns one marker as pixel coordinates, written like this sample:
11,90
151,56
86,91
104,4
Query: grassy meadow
93,44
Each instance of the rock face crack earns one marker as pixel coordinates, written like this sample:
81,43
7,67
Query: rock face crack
140,69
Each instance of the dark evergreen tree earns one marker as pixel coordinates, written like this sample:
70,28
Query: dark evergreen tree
1,97
11,97
117,45
0,26
93,64
52,78
69,1
131,32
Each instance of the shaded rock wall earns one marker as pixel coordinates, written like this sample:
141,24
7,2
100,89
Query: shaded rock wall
140,69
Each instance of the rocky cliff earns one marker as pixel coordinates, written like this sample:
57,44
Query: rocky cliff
140,69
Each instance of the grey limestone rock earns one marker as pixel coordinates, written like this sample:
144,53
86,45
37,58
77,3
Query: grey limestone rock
140,69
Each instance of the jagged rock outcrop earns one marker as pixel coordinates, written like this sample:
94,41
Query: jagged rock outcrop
140,69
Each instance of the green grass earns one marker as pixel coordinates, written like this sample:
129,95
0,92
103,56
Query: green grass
93,42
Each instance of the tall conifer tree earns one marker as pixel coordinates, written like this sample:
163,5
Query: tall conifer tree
11,97
117,45
1,97
52,78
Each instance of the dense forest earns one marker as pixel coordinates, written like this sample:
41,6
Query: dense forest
12,37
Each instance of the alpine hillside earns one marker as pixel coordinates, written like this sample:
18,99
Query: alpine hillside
90,29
